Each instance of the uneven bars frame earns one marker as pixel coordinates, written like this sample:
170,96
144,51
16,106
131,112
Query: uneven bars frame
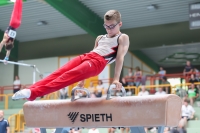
23,64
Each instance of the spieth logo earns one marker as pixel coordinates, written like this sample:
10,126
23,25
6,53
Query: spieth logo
72,116
90,117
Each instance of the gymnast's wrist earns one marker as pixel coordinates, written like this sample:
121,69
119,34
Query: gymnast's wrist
6,58
115,78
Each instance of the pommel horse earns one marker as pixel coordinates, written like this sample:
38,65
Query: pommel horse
135,112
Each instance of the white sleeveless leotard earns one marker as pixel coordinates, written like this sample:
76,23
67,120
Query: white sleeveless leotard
107,47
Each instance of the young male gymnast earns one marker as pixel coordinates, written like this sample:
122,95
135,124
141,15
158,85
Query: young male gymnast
108,48
10,33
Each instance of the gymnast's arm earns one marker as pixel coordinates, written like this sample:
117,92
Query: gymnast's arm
122,50
1,45
8,53
96,41
4,40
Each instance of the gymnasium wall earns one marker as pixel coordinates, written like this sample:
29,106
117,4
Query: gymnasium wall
45,66
6,74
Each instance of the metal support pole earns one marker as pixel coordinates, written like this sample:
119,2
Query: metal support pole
34,74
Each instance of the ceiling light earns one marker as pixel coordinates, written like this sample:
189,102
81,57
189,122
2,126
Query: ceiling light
42,23
151,7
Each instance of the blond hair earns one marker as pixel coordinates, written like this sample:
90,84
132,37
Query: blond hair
113,15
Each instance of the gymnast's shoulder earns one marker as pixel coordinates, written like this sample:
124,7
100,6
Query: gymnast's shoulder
124,39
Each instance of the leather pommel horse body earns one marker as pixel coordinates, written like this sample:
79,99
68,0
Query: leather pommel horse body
135,111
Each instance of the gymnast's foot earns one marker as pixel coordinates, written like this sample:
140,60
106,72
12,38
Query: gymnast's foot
25,93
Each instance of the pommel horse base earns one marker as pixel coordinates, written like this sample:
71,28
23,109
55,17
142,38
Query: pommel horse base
135,112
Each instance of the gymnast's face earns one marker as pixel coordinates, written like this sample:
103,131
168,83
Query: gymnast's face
112,27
